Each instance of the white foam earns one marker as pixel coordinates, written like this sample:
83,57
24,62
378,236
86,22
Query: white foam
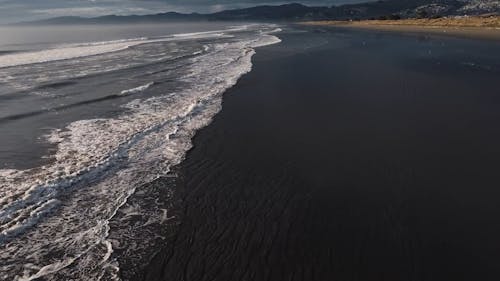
199,34
100,163
137,89
72,51
62,53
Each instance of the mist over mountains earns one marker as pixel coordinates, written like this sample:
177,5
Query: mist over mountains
299,12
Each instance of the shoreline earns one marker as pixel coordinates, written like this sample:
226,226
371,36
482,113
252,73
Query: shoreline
342,179
432,27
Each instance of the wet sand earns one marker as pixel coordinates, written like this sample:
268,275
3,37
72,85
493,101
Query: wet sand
346,155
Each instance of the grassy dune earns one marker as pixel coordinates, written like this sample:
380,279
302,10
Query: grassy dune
493,22
485,27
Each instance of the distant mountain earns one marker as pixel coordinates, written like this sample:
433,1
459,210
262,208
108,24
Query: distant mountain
111,19
283,12
299,12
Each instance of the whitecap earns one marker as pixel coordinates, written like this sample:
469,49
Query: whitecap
136,90
100,163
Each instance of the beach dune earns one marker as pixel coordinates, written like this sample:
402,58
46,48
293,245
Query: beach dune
486,27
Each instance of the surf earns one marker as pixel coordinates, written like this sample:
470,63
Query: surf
99,163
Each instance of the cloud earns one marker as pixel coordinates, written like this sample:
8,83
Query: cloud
90,11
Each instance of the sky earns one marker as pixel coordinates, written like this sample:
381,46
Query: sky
22,10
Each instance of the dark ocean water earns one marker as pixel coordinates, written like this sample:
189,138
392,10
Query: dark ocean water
88,116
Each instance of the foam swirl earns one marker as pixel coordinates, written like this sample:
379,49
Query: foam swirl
54,220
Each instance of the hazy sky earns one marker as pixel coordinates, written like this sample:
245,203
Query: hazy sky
20,10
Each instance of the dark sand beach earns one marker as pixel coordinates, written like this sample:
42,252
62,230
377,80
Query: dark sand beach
346,155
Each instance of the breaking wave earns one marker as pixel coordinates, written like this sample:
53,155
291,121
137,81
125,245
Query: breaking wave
54,219
91,49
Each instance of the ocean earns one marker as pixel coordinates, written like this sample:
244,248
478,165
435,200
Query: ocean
89,116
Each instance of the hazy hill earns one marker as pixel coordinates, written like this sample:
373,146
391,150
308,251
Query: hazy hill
297,12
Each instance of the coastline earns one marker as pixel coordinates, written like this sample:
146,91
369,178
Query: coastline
307,175
456,28
123,126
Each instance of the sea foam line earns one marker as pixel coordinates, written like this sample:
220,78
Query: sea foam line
72,51
102,161
136,89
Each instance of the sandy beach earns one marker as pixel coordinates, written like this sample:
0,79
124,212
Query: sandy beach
345,154
469,27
